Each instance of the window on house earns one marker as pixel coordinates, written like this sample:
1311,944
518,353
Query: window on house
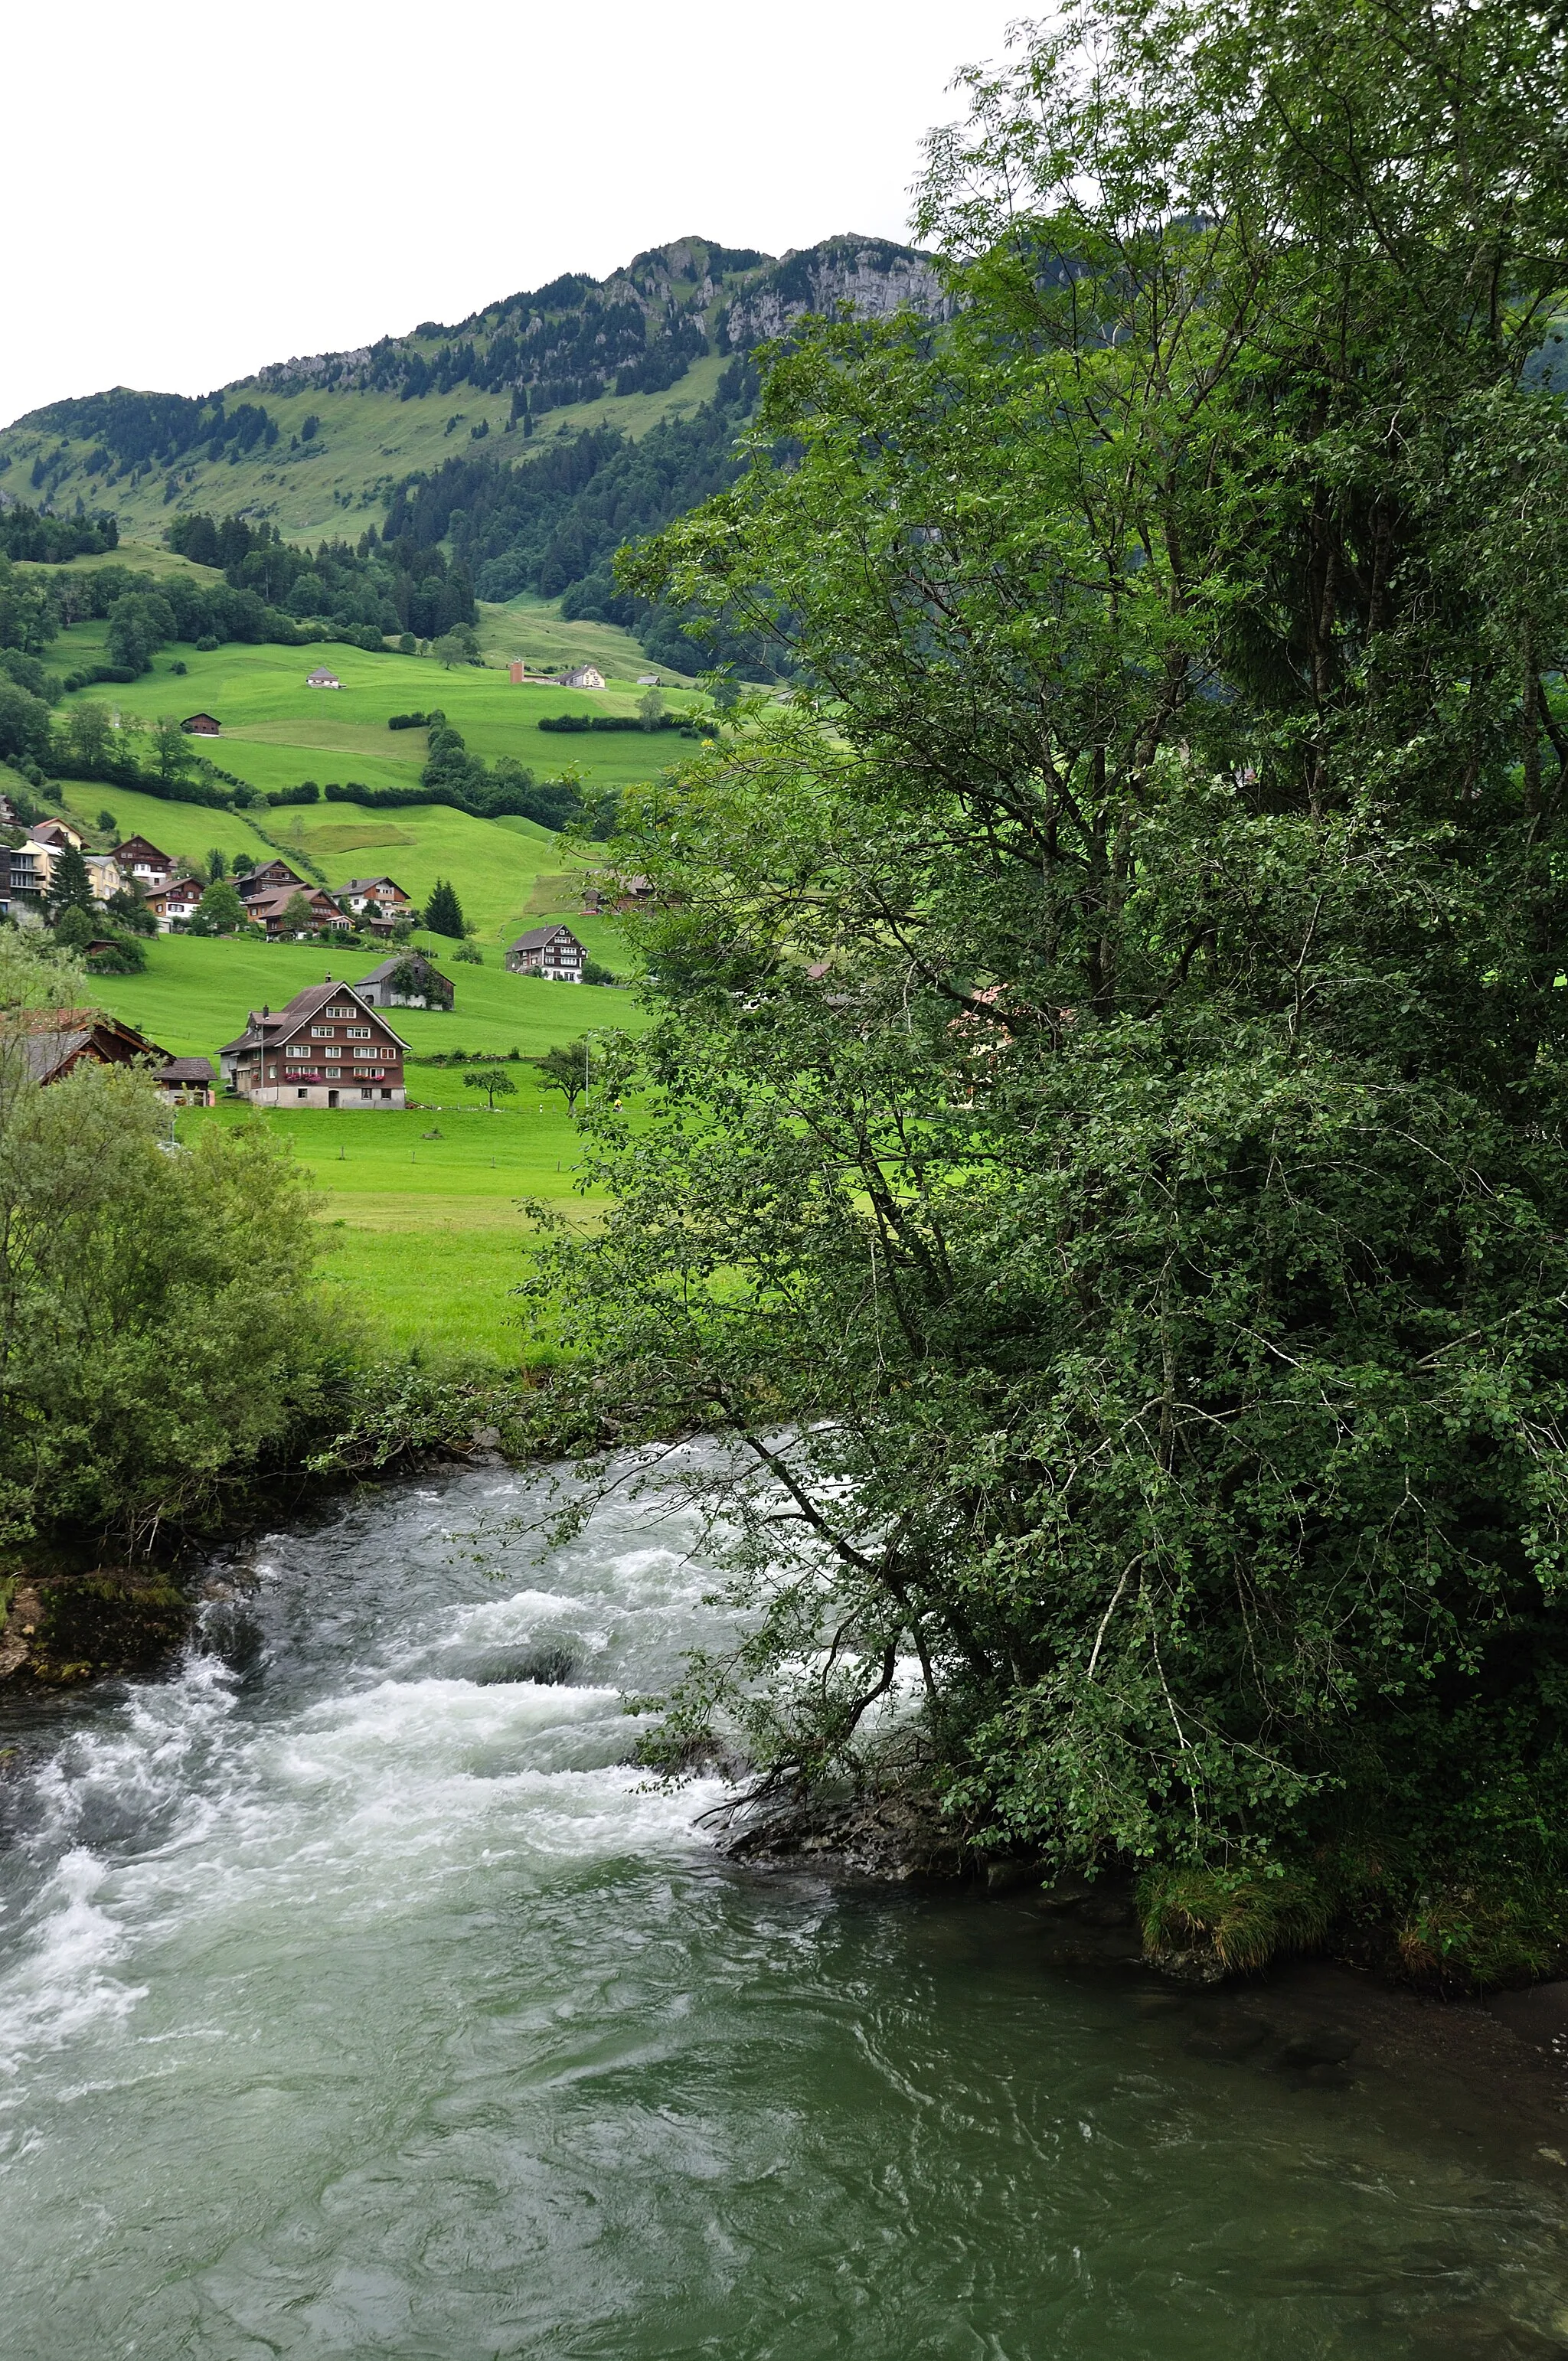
366,1094
320,1033
358,1033
301,1095
386,1094
296,1049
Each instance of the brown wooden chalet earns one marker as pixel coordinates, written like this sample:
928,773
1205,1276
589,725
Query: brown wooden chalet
554,953
55,1041
375,901
272,910
201,725
144,861
174,904
327,1049
265,879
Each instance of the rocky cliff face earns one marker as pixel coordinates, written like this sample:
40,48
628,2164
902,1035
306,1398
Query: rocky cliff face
870,276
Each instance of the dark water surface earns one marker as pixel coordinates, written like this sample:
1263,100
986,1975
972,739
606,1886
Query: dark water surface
355,1998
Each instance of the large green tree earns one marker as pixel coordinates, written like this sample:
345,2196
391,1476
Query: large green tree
1106,1163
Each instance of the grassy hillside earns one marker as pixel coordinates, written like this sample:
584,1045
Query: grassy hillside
277,732
339,481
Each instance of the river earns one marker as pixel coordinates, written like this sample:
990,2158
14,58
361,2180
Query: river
356,1998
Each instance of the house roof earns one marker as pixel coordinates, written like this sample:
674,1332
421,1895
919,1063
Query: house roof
389,967
51,1037
53,831
282,1024
191,717
185,886
537,936
277,898
320,673
256,878
135,845
359,884
186,1069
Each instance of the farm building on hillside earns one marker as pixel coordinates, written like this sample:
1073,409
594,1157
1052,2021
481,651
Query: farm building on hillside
199,725
328,1048
583,677
56,1040
321,678
406,980
144,862
374,898
649,680
272,910
553,953
175,903
630,893
265,879
187,1081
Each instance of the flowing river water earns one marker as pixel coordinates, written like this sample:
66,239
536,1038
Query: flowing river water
356,1998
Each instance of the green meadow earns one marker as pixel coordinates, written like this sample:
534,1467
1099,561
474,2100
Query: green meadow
421,1209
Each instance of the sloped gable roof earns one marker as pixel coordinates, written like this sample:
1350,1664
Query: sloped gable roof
537,936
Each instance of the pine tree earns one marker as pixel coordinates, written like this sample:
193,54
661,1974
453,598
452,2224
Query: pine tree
69,886
443,912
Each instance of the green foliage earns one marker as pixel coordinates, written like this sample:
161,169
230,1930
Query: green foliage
1106,1168
70,885
565,1068
493,1083
220,910
157,1331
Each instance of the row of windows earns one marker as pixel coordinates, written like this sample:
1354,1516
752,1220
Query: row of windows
350,1033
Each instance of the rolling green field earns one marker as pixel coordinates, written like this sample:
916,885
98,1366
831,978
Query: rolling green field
424,1235
276,731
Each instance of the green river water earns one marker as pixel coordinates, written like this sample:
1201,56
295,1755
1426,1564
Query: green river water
356,1999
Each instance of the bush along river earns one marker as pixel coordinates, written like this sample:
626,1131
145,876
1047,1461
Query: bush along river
357,1997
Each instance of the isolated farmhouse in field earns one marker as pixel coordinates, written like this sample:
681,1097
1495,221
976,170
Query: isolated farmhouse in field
321,678
328,1047
583,677
554,953
199,725
408,979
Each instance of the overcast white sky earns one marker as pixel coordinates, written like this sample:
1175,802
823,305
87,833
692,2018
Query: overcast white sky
189,191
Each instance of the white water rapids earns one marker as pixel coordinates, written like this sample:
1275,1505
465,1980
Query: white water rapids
357,1997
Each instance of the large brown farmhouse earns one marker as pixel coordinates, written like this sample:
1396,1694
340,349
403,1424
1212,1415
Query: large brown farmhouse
328,1047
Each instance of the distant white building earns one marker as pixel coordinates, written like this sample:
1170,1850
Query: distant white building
583,677
649,680
321,678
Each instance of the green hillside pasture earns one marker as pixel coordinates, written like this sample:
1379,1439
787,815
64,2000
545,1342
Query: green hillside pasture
276,731
342,479
535,630
149,556
424,1237
194,995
